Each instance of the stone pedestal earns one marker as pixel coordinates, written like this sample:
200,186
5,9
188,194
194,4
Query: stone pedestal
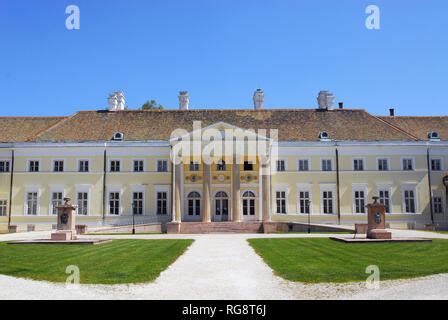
66,226
376,221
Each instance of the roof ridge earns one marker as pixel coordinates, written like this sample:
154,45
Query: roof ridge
396,127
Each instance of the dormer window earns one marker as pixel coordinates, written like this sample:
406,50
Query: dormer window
118,136
324,136
433,136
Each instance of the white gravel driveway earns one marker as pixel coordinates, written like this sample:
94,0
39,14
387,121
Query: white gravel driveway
223,267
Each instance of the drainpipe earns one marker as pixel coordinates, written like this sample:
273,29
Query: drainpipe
11,184
430,185
104,184
338,191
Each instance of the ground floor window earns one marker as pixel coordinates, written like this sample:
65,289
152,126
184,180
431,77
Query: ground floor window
83,203
162,202
194,204
114,203
137,203
280,199
56,200
327,202
304,202
3,206
31,203
384,197
360,201
221,203
409,201
437,203
248,203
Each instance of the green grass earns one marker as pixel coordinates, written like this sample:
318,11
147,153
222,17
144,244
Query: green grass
325,260
119,233
119,261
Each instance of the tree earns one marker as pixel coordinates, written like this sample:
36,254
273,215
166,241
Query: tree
152,105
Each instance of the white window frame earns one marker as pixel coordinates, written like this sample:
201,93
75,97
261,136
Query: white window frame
78,169
378,165
414,188
322,167
358,188
285,161
5,207
438,195
164,188
304,159
388,188
31,189
142,189
332,188
441,164
305,188
53,164
84,189
119,190
133,165
54,189
167,165
110,165
28,169
286,191
8,161
407,158
364,164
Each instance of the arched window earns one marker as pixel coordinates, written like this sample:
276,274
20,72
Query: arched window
221,203
194,203
248,203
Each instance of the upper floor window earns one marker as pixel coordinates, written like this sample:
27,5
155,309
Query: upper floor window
408,164
115,166
326,164
436,164
138,166
33,166
194,166
162,165
383,165
358,164
304,165
4,166
281,166
221,166
58,166
248,166
83,166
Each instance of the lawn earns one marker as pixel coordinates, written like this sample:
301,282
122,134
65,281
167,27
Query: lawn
119,261
324,260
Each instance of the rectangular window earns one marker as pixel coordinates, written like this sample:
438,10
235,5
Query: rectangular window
360,201
327,202
4,166
221,166
162,202
408,165
137,202
281,201
194,166
358,164
383,165
384,197
162,165
115,166
304,165
326,165
58,166
436,165
138,166
281,165
3,207
248,166
304,202
83,166
114,203
437,203
31,203
409,201
33,166
56,200
83,203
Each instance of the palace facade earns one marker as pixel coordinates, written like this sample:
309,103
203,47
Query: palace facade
116,163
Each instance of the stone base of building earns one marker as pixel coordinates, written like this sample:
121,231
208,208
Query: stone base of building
173,227
270,227
379,234
63,235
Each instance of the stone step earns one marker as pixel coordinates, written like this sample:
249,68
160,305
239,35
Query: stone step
221,227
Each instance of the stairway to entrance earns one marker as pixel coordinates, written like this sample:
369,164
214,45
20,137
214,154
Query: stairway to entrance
221,227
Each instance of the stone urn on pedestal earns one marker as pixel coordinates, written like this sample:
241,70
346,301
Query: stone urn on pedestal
66,229
376,223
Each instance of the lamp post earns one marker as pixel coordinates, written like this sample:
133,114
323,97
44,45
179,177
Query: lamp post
307,206
133,217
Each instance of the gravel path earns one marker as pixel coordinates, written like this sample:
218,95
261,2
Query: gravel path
223,267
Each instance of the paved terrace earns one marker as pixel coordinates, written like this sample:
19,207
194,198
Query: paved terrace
223,266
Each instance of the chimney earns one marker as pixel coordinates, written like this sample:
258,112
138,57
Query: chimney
325,100
184,100
341,105
392,112
116,101
258,99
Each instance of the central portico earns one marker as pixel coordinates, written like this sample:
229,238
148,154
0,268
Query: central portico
213,184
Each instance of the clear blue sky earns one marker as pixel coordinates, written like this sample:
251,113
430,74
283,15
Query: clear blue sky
221,51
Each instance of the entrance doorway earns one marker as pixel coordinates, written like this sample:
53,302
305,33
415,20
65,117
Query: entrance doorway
221,206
